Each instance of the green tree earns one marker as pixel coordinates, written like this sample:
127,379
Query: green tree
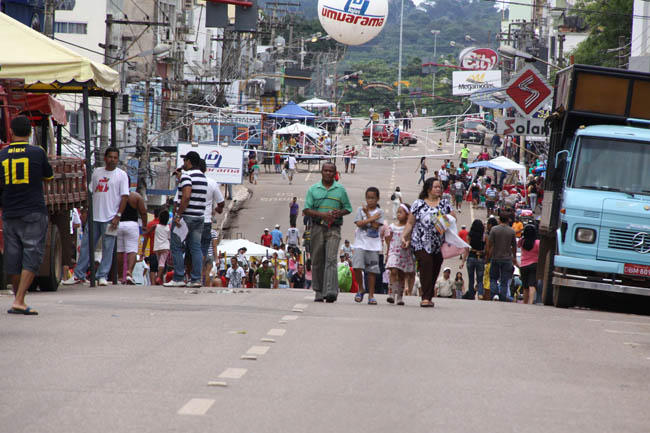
607,20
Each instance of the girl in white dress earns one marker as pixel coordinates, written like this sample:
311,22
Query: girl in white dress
398,260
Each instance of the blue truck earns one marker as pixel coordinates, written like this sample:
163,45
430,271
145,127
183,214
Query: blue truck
595,222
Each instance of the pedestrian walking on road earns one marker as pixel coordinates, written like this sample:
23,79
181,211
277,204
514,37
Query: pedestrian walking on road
445,285
367,244
294,208
399,260
464,155
128,235
529,245
326,203
422,166
424,233
501,251
188,222
276,236
24,214
291,168
277,161
347,154
353,159
266,238
235,275
161,243
110,186
396,200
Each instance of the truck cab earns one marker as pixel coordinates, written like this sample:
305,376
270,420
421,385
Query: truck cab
595,223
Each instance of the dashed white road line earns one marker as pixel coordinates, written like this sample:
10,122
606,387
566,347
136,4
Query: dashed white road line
276,332
196,406
300,306
619,321
258,350
286,318
233,373
612,331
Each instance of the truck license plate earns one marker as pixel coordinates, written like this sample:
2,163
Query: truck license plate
638,270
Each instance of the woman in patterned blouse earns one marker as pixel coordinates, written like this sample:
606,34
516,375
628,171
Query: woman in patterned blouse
424,238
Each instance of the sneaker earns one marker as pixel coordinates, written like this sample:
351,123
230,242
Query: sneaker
102,282
173,283
399,300
72,280
194,284
495,297
130,280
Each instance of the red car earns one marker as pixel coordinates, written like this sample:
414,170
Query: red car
383,134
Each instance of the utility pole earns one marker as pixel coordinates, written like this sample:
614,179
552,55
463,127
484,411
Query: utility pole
104,125
621,52
48,25
143,166
399,67
433,68
560,55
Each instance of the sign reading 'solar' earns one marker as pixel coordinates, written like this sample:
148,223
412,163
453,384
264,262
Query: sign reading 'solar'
225,164
521,126
468,82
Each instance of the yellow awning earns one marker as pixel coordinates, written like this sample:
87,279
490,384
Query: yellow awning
47,65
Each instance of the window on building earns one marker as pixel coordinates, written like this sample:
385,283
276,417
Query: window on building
65,5
72,28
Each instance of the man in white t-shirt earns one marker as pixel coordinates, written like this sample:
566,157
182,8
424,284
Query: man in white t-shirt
110,189
291,161
213,203
293,238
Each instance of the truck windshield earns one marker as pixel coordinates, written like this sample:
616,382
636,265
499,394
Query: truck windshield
612,165
470,124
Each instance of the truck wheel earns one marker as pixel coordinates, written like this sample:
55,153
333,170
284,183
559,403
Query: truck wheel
564,297
50,282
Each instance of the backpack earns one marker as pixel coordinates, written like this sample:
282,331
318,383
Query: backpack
393,196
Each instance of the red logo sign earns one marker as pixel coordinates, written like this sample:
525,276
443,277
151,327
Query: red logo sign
528,91
479,59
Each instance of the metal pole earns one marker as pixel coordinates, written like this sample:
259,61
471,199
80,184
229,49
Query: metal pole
399,67
89,176
435,49
103,135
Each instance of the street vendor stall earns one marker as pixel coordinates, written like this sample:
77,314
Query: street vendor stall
47,66
232,246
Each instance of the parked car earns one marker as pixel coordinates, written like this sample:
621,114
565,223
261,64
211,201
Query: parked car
382,133
469,131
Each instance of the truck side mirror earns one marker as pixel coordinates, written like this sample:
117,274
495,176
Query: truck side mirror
557,156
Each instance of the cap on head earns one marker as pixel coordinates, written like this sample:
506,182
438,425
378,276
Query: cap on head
446,269
266,229
277,226
463,226
193,157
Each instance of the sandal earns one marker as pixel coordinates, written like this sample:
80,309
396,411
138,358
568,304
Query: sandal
426,304
372,301
359,297
390,300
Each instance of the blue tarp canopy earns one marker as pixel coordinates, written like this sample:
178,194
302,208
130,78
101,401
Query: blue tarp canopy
292,111
487,164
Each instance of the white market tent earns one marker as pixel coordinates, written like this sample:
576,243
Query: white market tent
297,128
316,103
231,246
510,165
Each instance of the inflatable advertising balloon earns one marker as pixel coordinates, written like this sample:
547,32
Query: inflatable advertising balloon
353,22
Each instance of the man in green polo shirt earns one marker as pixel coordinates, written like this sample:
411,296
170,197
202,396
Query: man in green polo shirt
464,154
326,203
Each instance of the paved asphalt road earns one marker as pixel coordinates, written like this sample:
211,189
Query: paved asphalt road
139,359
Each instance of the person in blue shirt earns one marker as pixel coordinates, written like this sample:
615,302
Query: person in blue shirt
276,236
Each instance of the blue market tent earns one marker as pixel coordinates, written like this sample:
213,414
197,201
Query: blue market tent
292,111
487,164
